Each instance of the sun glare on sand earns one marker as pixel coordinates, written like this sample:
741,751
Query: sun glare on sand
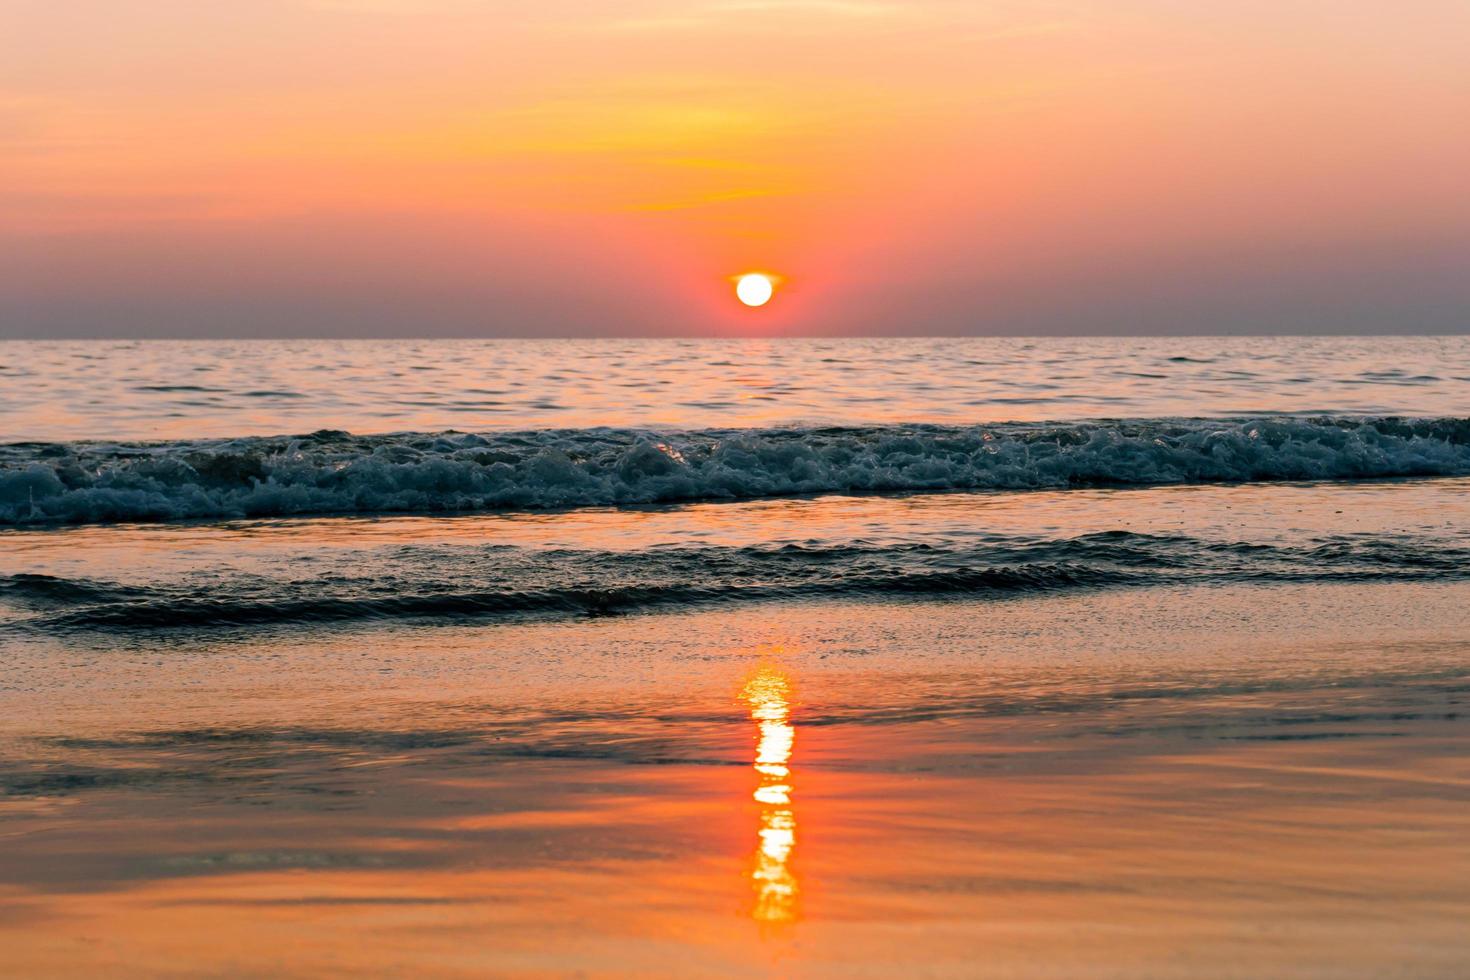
754,289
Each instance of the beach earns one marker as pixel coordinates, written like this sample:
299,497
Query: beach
1029,724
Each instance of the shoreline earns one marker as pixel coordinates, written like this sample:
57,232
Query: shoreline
1064,789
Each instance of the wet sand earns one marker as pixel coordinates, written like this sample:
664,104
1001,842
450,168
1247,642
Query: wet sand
1216,781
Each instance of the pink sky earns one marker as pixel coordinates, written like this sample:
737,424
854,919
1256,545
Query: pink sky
575,167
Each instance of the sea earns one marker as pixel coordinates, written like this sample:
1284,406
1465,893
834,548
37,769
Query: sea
954,657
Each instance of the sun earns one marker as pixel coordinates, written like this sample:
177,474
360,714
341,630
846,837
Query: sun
754,288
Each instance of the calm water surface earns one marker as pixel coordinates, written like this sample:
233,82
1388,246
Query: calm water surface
185,390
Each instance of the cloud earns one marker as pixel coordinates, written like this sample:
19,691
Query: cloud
839,8
691,16
392,6
705,200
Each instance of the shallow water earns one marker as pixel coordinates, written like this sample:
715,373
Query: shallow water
1229,781
169,583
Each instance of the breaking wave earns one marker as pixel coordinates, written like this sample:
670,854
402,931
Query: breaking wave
498,581
330,472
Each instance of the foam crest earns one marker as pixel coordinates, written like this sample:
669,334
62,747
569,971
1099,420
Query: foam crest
331,472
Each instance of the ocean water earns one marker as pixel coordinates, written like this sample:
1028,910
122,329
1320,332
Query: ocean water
123,433
173,431
191,390
1062,658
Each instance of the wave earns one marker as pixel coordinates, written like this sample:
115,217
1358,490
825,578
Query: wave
331,472
497,581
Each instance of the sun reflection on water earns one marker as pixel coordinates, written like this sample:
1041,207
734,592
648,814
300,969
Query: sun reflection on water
776,889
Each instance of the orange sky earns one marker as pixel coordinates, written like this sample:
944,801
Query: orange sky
405,167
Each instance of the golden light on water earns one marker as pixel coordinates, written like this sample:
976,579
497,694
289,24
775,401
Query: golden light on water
768,694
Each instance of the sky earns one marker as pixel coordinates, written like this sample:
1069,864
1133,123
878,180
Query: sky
202,168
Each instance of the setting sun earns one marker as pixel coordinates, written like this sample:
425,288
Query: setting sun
754,289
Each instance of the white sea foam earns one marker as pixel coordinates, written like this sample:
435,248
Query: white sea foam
334,472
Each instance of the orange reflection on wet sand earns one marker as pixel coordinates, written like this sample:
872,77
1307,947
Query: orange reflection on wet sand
776,889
